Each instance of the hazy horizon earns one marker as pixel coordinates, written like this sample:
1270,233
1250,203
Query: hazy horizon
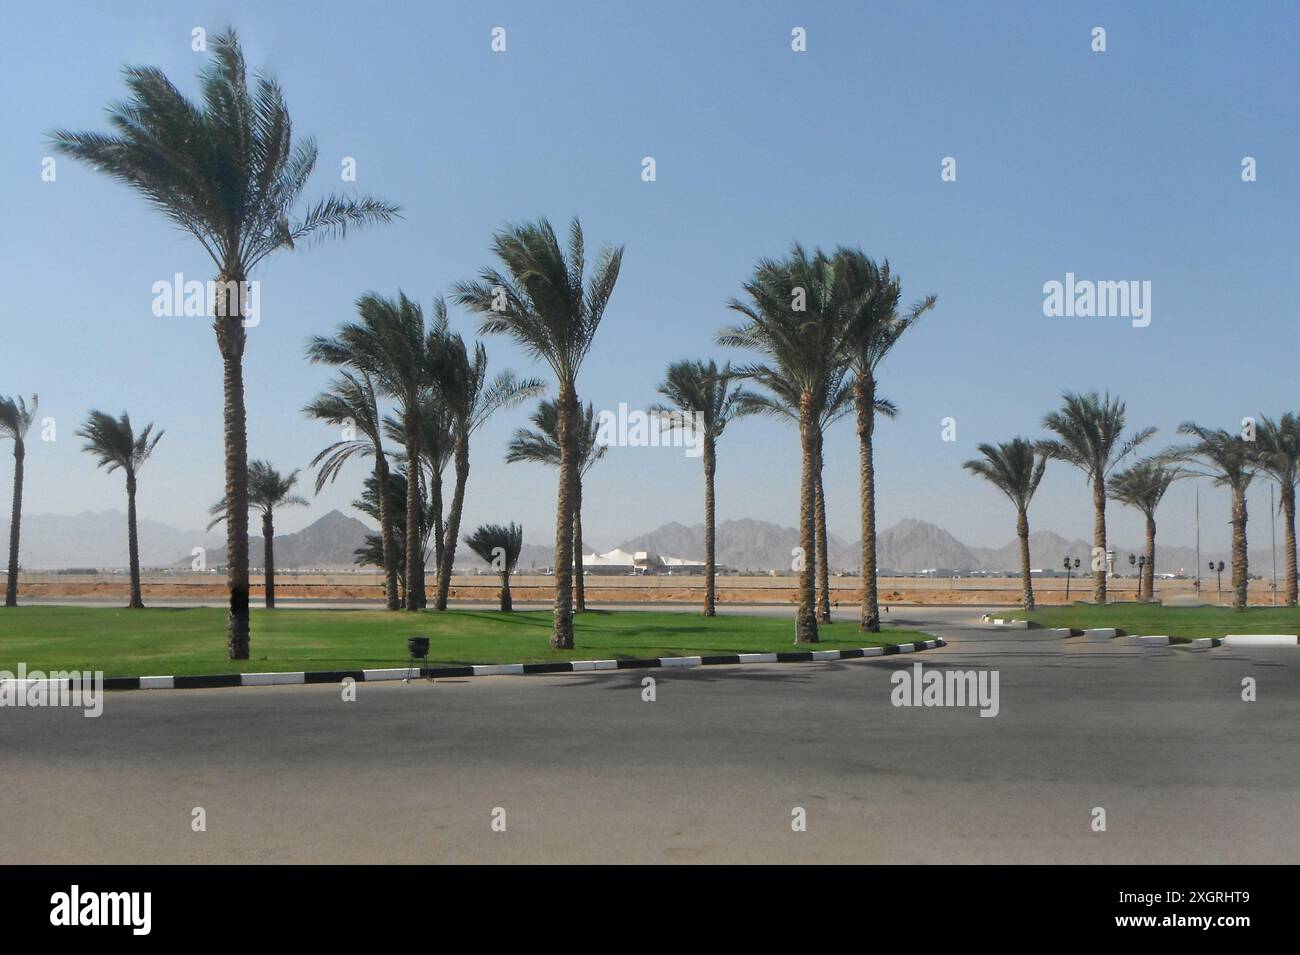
1115,166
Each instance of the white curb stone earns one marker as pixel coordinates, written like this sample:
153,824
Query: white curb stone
1155,641
1260,640
391,674
498,669
680,661
580,666
157,682
1101,633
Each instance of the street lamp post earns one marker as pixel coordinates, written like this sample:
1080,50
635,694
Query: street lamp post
1067,565
1132,563
1218,570
1142,566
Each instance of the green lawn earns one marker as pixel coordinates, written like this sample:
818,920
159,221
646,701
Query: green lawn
164,641
1142,618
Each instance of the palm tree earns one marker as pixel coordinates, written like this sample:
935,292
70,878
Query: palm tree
267,490
873,296
1015,468
116,444
543,447
705,403
794,319
500,547
1090,436
1230,461
391,345
436,446
542,303
1278,443
781,400
435,453
227,171
350,402
460,380
16,417
1143,486
371,552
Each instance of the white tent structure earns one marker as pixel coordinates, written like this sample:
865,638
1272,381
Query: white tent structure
642,562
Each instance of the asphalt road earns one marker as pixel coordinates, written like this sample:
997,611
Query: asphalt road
585,771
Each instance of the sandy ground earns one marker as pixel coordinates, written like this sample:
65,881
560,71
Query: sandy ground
604,590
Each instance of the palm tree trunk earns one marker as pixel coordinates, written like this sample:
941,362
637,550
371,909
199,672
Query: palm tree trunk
579,584
231,338
392,598
1026,579
15,523
823,561
133,544
865,402
1240,566
507,605
1150,573
710,568
1288,510
435,505
461,454
562,634
421,569
268,557
805,628
414,552
1099,539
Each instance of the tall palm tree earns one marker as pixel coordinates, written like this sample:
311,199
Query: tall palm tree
228,172
16,416
781,400
1015,468
500,547
877,321
434,426
1230,461
794,319
436,446
1089,432
703,401
267,491
1278,444
116,444
460,380
390,343
350,402
542,302
371,552
1143,486
542,446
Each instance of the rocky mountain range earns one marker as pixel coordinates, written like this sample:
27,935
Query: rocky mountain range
98,540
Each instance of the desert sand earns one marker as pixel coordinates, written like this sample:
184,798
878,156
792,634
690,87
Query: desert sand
604,589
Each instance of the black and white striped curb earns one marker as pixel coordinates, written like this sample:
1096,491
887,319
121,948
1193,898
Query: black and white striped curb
505,669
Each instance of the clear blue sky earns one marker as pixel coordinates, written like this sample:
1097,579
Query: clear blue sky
1118,165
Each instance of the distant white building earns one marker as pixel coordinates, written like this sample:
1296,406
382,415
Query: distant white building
640,563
